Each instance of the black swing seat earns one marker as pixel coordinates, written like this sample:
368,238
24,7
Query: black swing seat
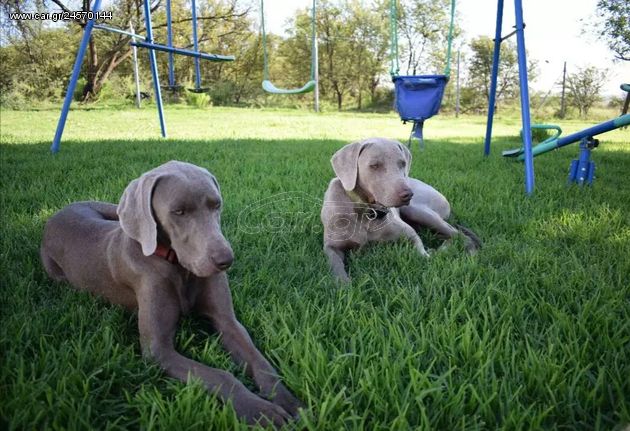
198,90
172,88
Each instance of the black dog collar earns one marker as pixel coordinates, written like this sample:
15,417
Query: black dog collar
377,214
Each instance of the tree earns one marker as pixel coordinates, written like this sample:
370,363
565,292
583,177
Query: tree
353,41
423,34
336,74
615,26
335,59
290,64
480,71
109,51
584,88
104,54
368,46
33,57
106,51
353,47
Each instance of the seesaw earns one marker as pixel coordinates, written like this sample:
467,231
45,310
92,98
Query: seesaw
582,169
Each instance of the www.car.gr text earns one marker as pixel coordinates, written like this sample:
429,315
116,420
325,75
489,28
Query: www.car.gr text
60,16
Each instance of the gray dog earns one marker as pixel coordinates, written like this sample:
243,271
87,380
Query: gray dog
373,199
161,251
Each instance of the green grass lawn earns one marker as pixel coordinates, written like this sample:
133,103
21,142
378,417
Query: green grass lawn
533,332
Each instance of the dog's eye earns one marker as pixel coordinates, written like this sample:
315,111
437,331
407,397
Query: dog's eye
179,212
375,166
402,164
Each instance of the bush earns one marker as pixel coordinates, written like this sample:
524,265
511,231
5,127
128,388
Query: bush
115,88
539,135
615,103
14,96
383,100
222,93
198,100
78,90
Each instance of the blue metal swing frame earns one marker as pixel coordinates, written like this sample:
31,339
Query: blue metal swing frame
147,43
582,169
524,92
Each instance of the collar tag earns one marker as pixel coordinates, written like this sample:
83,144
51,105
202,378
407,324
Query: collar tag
372,213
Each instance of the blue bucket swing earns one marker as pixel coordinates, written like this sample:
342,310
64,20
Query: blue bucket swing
417,97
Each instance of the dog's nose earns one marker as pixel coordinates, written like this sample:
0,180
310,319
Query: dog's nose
223,261
406,195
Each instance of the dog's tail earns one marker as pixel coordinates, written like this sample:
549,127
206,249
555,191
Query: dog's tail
474,243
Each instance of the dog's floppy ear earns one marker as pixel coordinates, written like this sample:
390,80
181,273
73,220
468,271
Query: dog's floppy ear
345,164
135,213
214,180
407,155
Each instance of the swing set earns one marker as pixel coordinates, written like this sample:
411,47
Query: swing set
417,97
172,83
139,41
267,85
581,170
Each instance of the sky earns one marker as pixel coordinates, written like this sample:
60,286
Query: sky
556,31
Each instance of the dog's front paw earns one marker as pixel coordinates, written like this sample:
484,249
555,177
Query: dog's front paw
343,279
255,410
423,253
285,399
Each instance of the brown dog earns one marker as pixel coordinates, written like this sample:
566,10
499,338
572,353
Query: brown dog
161,251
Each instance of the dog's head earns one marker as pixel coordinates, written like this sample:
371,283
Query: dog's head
180,203
377,167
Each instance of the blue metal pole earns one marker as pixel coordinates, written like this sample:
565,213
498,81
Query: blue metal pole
525,117
169,36
493,79
76,70
597,129
154,71
117,30
585,168
196,45
181,51
557,142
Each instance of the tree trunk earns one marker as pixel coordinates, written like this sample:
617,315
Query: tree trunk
111,65
92,67
339,97
373,84
92,62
